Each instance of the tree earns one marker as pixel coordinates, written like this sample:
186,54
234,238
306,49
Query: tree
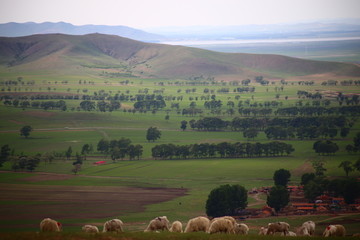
319,168
153,134
307,177
281,177
68,153
4,154
346,165
351,190
226,200
312,190
77,164
250,133
183,125
86,149
278,197
325,147
357,165
25,131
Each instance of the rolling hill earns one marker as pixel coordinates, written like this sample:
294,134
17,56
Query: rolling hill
96,52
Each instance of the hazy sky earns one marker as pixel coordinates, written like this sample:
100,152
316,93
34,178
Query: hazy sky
149,13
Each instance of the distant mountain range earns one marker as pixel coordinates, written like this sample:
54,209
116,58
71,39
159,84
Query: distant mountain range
30,28
117,56
330,28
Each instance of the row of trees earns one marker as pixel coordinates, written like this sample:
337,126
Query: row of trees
119,149
236,124
222,150
46,105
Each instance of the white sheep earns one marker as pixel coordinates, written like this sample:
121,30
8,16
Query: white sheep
50,225
158,223
113,225
90,229
278,227
334,231
310,226
290,233
263,231
302,231
176,227
241,228
197,224
221,225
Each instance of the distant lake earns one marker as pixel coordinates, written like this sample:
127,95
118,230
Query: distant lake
244,41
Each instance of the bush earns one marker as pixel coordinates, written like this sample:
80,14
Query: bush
226,200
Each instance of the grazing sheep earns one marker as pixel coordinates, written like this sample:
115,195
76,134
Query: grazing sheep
334,231
176,227
221,225
198,224
50,225
302,231
278,227
232,220
158,223
263,231
290,233
90,229
114,225
310,227
241,228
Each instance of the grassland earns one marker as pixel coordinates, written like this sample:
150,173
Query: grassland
57,130
339,51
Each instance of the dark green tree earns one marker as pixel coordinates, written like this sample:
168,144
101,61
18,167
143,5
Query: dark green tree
357,165
351,190
312,190
281,177
25,131
153,134
319,168
278,197
250,133
226,200
103,146
307,177
183,125
4,154
32,162
68,153
347,166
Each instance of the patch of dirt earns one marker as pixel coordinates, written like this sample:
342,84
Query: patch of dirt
16,122
306,167
39,113
35,202
40,177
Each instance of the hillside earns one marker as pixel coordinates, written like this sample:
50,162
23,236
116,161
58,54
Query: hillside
94,52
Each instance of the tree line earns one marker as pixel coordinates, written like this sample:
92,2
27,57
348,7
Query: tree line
277,128
222,150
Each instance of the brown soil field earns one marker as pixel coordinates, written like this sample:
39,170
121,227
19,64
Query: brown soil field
35,202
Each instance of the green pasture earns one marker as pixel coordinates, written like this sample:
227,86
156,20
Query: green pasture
57,130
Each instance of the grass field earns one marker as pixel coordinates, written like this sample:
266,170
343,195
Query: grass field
175,188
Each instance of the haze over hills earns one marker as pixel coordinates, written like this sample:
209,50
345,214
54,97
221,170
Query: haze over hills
317,29
30,28
96,52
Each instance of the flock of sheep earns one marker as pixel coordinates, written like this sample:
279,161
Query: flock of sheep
225,224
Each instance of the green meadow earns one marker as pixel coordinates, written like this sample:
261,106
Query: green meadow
55,130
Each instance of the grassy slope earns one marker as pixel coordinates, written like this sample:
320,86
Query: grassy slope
68,53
